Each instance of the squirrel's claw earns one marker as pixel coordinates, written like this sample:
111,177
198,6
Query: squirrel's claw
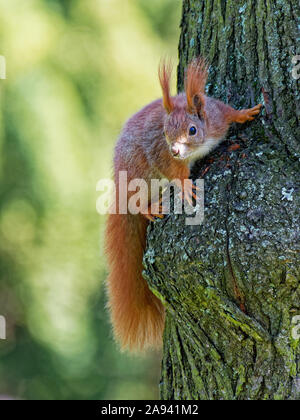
189,192
151,216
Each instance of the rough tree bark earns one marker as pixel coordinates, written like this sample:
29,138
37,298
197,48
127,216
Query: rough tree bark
231,285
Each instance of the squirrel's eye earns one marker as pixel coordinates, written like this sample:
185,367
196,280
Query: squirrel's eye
193,131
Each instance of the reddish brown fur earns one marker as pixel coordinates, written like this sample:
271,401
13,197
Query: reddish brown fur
143,150
137,315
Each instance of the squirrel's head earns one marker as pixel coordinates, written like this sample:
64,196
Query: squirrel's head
185,121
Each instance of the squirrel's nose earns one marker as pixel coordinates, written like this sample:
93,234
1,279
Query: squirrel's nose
175,150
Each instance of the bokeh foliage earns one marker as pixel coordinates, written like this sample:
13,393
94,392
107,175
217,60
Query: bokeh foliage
75,71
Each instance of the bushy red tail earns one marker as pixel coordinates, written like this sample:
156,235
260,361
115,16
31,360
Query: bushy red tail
137,314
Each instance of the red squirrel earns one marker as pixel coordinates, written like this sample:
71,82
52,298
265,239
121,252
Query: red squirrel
157,142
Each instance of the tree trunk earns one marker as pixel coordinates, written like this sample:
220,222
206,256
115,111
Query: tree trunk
231,285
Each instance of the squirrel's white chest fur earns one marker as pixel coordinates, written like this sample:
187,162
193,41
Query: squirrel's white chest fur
205,148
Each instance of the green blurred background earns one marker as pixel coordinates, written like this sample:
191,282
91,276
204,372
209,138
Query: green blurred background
76,70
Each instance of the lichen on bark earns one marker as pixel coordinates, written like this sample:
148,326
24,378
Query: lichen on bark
231,286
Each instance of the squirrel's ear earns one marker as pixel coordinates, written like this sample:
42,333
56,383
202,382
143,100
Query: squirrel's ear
164,74
198,105
195,80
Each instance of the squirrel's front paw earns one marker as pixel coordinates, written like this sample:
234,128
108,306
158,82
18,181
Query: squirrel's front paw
159,210
188,191
248,114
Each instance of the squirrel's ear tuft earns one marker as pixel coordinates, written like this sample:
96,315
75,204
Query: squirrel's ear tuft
164,74
195,81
